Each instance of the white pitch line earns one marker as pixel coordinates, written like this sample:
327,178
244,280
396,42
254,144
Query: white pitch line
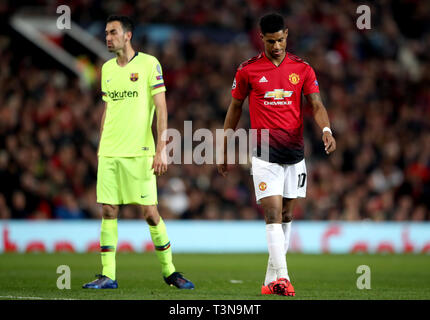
236,281
33,298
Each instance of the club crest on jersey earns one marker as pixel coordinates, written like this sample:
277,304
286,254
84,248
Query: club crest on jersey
134,76
278,94
294,78
262,186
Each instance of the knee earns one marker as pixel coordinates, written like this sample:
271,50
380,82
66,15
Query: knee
110,211
272,215
287,216
150,214
287,210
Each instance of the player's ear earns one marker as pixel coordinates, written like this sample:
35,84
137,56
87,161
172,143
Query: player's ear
261,36
286,33
127,35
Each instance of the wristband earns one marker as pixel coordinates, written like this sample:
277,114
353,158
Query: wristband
327,129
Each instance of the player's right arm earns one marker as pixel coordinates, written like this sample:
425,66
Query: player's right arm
233,114
106,99
102,125
239,92
231,120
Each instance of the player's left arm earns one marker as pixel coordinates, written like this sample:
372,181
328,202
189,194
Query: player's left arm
321,118
160,158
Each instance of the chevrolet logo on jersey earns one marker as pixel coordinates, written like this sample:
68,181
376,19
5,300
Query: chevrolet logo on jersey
278,94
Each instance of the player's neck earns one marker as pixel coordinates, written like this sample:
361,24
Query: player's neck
276,61
124,56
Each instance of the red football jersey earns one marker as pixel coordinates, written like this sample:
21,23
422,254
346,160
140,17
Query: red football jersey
275,94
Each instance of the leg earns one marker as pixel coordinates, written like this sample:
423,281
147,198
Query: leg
151,215
294,186
272,215
268,181
108,243
110,211
146,195
109,239
158,232
272,207
159,237
146,185
287,218
107,192
287,209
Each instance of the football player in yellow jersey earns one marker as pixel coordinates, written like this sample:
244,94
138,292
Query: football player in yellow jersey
133,89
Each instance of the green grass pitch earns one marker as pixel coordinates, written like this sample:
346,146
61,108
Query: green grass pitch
33,276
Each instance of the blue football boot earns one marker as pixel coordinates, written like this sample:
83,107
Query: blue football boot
176,279
102,282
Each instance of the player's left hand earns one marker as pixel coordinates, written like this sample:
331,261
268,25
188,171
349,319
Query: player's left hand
329,142
160,163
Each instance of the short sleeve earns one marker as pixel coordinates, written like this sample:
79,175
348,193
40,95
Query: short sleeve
240,87
156,81
310,84
104,88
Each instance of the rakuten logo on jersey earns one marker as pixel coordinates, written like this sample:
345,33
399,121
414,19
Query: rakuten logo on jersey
121,95
278,94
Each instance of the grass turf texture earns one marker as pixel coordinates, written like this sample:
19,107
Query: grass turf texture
139,277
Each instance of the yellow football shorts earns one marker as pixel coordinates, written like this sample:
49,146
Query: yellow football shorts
126,181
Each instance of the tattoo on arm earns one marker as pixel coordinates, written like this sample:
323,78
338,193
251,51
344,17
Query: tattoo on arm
314,97
320,113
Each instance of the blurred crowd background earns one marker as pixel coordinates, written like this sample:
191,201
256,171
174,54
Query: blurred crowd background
374,83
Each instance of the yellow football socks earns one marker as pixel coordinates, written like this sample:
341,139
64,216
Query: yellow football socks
162,247
108,242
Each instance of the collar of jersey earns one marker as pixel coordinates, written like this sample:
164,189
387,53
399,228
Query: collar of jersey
264,55
135,54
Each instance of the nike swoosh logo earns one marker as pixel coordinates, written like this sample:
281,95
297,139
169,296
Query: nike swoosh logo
108,80
143,196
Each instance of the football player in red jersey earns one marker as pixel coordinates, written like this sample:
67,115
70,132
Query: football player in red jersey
274,81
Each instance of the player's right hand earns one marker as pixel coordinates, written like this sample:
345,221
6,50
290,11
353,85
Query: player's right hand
222,169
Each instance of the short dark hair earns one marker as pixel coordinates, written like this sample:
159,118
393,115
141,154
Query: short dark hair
126,23
271,23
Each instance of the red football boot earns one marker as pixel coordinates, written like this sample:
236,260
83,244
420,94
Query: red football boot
289,289
275,287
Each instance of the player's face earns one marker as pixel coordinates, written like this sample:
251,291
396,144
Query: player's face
116,38
275,43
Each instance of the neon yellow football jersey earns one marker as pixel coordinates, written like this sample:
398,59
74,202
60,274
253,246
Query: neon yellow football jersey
128,91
